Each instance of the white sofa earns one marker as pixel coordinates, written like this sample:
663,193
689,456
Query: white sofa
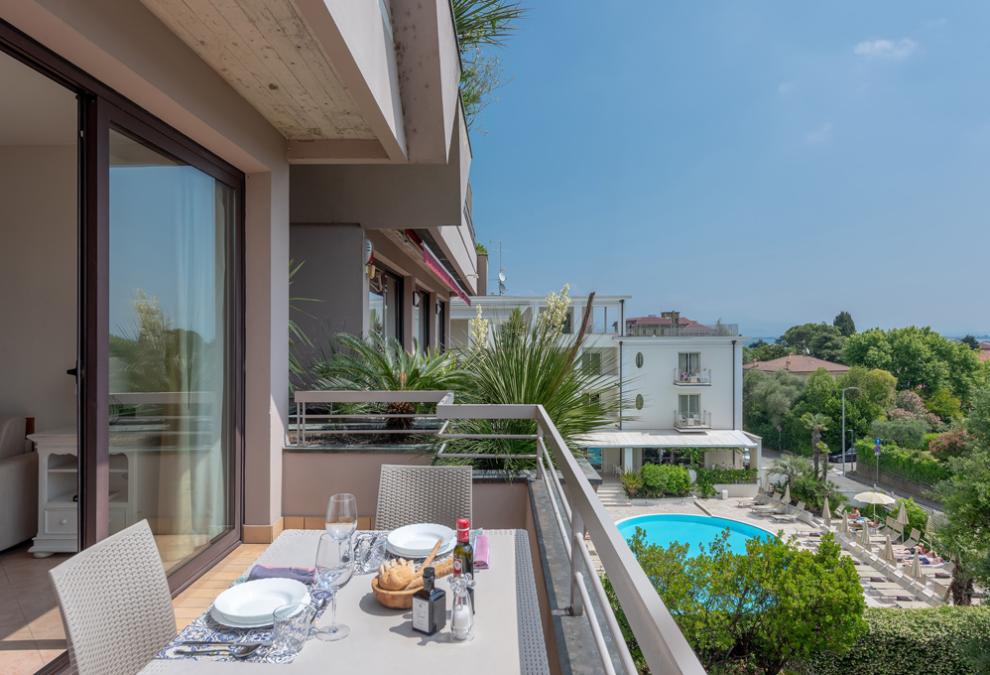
18,484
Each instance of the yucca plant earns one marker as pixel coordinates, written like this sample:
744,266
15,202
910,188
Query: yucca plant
536,366
382,364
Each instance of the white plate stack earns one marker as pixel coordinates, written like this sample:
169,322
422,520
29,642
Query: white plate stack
250,605
416,541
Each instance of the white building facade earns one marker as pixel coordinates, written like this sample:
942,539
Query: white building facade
678,392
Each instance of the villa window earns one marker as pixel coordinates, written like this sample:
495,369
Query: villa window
689,364
384,291
591,363
689,406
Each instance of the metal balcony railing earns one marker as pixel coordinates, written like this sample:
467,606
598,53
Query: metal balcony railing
700,420
577,512
698,377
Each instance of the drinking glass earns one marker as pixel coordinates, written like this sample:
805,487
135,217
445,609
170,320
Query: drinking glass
334,568
341,516
290,627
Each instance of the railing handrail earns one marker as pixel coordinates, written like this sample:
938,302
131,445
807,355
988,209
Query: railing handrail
360,396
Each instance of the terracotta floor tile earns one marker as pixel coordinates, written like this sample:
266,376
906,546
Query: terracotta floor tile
20,662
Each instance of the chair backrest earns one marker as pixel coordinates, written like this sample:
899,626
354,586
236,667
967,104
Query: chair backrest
410,494
915,534
800,506
115,602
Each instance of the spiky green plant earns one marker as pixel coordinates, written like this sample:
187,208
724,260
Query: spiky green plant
381,364
535,366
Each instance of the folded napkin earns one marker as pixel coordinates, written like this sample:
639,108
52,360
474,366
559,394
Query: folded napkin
302,574
481,552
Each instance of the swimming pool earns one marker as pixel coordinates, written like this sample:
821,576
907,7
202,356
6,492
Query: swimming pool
666,528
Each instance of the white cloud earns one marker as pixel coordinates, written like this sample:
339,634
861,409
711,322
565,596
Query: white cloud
893,50
819,136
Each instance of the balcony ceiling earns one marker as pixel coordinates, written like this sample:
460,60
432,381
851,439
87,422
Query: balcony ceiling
268,54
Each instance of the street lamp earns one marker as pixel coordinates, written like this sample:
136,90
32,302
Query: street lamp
844,426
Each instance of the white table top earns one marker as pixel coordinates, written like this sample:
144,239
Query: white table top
508,633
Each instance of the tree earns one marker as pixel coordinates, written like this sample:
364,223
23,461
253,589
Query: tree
769,608
773,397
816,339
919,358
761,350
971,342
965,537
817,423
844,322
946,405
482,23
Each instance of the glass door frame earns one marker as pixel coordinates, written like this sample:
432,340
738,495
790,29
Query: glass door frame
100,109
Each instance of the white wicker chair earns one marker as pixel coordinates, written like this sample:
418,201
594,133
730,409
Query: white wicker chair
115,602
422,494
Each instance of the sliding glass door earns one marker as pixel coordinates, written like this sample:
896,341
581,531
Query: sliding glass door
170,323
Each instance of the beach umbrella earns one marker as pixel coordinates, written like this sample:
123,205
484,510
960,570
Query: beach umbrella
888,551
787,495
874,498
916,568
844,524
864,537
902,515
827,513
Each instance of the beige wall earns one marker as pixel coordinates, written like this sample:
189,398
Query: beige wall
38,284
333,276
311,477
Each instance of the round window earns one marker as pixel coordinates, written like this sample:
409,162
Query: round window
639,401
639,359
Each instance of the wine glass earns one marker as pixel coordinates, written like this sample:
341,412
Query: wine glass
334,568
341,516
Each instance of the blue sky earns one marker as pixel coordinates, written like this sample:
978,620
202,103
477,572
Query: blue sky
766,163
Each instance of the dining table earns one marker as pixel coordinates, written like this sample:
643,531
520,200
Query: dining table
507,636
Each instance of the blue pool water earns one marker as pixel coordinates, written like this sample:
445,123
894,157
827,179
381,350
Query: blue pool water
666,528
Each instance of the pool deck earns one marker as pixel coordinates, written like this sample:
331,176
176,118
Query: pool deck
878,585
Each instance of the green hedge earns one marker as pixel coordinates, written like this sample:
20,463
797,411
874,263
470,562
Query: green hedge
665,479
914,465
937,641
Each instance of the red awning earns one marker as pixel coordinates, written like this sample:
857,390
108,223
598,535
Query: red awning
438,268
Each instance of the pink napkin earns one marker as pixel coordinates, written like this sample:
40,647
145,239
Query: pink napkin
301,574
481,552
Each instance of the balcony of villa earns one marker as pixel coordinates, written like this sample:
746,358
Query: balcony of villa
698,377
525,479
692,421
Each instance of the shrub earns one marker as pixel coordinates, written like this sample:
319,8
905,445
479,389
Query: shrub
633,483
666,479
721,474
905,433
771,608
936,641
812,491
917,516
914,465
953,443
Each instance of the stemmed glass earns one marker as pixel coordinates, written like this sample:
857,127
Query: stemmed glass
334,568
341,518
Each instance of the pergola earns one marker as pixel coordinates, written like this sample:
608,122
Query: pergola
670,439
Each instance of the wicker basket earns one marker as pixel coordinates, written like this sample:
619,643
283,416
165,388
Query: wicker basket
393,599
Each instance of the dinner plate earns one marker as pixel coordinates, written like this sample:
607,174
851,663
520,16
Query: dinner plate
416,541
250,605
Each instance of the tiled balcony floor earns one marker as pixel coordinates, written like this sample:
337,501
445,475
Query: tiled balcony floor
30,626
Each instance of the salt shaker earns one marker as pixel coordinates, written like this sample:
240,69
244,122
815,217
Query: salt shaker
462,614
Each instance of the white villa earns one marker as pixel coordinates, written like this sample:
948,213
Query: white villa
679,391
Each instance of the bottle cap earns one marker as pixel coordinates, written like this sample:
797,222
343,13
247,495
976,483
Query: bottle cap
463,523
429,574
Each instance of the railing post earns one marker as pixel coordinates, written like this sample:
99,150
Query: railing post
577,539
301,419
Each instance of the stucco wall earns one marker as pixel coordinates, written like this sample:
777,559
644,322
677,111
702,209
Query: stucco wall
38,284
655,381
333,276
